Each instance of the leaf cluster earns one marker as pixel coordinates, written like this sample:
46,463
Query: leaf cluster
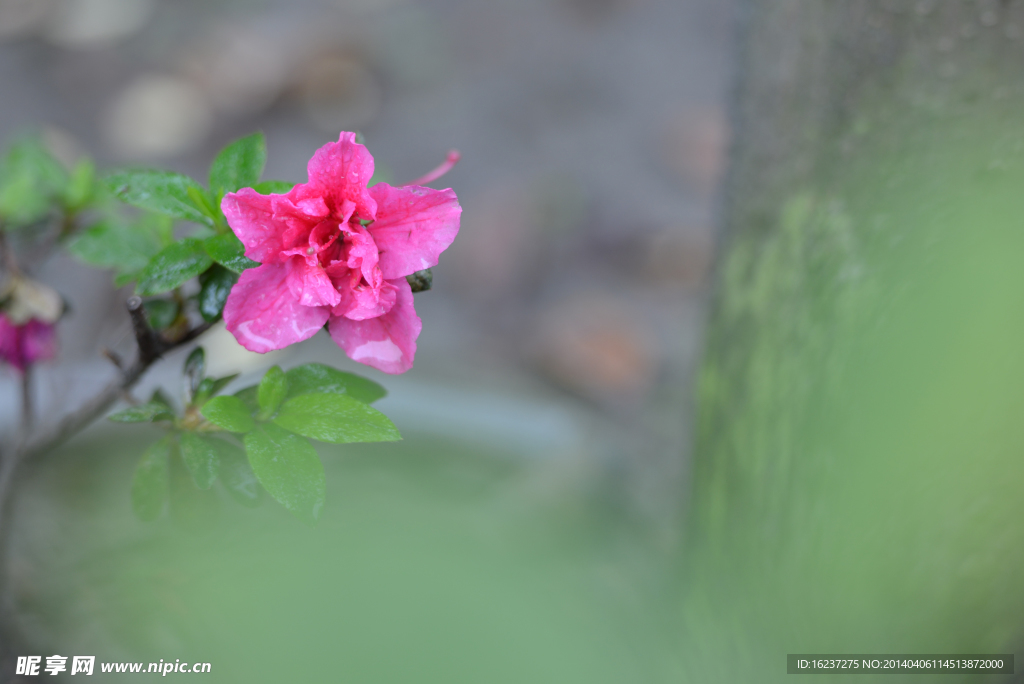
145,251
34,185
173,242
257,439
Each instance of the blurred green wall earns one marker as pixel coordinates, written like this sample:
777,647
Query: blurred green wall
860,450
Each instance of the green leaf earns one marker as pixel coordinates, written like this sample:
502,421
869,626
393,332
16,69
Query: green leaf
317,378
228,251
420,281
164,192
335,418
194,371
216,284
239,165
237,477
125,247
221,383
204,392
122,279
248,397
173,266
159,226
209,387
202,201
21,201
30,180
272,391
161,312
160,397
274,187
201,456
192,508
143,413
151,482
81,186
289,469
122,246
229,413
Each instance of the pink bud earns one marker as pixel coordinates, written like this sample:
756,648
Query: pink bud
25,344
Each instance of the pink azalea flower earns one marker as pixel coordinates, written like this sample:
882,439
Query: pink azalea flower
337,252
22,345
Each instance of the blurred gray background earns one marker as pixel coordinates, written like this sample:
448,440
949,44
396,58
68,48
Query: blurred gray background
567,315
563,326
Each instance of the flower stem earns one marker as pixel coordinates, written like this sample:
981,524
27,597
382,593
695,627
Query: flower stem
27,414
32,442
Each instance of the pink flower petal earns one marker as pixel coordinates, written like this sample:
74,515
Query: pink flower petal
309,284
320,263
413,226
362,255
269,224
362,301
263,314
341,171
23,345
39,342
388,342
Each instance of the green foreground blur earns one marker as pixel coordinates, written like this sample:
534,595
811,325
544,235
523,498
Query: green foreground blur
433,562
859,484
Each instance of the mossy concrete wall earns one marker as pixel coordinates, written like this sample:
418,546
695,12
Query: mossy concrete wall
859,466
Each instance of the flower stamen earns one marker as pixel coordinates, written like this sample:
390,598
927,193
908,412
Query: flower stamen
447,165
